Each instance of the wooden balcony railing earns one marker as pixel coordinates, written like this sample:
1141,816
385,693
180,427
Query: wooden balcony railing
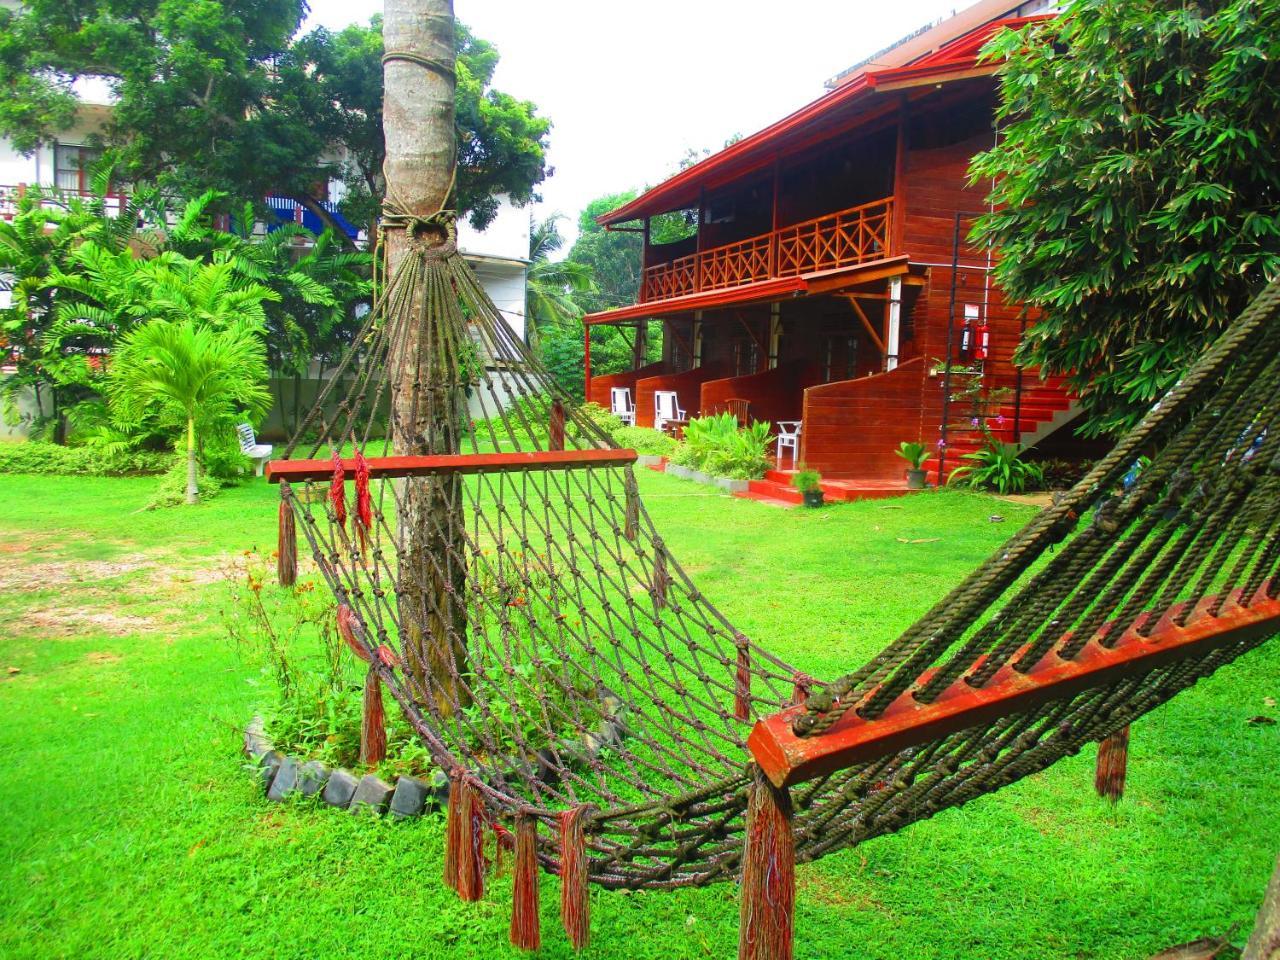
842,239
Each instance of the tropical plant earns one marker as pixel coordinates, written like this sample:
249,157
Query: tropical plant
807,480
914,453
996,466
551,284
202,375
719,446
1136,194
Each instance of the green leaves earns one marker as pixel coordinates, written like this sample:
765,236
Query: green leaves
1137,200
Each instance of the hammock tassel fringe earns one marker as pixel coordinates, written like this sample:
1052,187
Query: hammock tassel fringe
525,932
287,546
768,875
575,911
464,841
373,725
1113,765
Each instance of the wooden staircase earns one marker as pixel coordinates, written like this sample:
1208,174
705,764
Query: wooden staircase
1046,405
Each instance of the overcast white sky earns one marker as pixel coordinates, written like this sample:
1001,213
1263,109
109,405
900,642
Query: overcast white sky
631,86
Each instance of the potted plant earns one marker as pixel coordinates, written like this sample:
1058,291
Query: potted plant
809,483
915,454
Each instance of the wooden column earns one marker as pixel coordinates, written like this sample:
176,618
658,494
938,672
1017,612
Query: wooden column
899,226
892,323
644,259
775,333
586,361
773,221
697,262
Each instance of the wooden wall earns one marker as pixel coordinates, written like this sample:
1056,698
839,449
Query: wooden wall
773,395
853,427
687,385
601,385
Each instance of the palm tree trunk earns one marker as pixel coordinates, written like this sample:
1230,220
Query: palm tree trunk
418,124
192,489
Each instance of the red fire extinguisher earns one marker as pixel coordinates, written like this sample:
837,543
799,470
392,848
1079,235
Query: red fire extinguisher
981,340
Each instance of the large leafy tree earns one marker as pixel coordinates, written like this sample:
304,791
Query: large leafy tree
501,140
197,374
1137,194
221,95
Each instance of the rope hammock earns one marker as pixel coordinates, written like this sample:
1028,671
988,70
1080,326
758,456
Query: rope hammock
496,569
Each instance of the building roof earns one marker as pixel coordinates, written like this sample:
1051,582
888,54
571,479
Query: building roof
946,51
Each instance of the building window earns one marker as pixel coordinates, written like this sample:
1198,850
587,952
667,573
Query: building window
72,164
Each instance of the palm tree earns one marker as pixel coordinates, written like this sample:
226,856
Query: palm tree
189,370
549,302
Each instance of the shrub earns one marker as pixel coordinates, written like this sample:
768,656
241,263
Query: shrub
997,467
171,491
645,441
718,446
807,480
34,456
914,453
604,420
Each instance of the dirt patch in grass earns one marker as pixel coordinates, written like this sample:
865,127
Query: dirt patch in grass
66,621
99,657
71,573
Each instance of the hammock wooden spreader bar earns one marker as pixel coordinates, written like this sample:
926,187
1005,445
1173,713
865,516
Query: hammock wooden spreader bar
298,471
787,759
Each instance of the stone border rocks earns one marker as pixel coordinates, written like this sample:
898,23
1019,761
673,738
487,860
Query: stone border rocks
697,476
283,776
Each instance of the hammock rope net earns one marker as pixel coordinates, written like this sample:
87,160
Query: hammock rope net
521,608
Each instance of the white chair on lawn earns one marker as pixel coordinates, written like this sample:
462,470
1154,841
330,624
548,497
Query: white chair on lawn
259,453
665,408
788,436
621,406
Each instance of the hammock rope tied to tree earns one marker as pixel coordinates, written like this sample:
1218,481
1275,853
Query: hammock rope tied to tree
495,568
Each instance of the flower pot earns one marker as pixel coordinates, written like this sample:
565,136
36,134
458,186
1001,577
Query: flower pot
813,498
915,479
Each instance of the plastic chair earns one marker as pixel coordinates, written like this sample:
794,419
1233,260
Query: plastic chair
259,453
620,405
788,436
666,407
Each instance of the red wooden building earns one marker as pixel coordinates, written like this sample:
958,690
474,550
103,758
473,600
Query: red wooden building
830,279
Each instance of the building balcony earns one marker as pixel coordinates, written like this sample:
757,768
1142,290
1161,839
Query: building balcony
834,241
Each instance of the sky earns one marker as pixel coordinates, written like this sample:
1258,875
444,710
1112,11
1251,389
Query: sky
631,87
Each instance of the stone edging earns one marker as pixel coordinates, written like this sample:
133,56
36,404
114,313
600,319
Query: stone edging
283,776
697,476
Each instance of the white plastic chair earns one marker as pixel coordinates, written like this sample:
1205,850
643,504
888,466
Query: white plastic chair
621,406
788,436
259,453
665,407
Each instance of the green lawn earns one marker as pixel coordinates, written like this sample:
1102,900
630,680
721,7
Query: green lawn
129,829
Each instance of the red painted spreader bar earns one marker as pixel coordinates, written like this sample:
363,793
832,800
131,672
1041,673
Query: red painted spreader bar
787,759
296,471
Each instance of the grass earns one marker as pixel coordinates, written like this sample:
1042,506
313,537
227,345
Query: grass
129,828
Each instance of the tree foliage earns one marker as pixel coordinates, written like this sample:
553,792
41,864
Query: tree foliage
1137,194
189,373
552,287
223,96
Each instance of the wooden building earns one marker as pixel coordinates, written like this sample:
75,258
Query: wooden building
830,279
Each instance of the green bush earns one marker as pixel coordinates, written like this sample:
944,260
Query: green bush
997,467
35,456
645,441
718,446
604,421
172,489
